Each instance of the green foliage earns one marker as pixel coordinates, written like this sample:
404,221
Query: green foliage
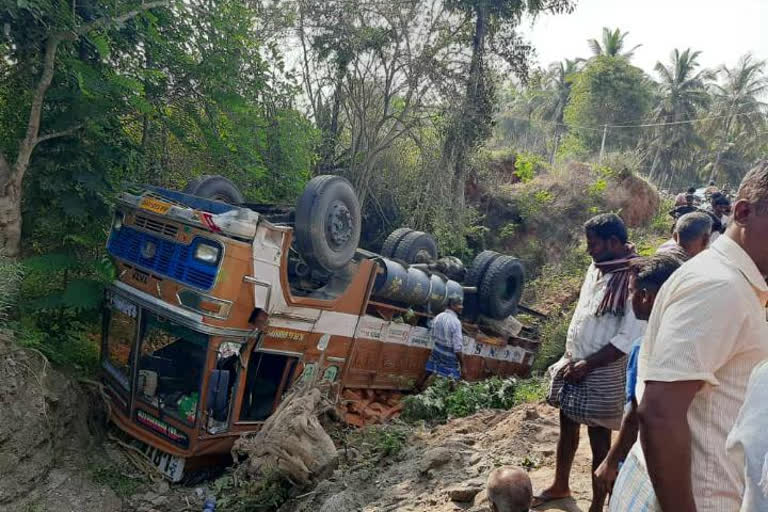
377,442
111,476
526,166
448,399
269,492
11,275
552,334
611,91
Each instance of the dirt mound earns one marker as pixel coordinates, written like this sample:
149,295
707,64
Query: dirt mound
44,438
637,200
445,469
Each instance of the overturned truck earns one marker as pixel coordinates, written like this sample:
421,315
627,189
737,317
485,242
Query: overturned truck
220,306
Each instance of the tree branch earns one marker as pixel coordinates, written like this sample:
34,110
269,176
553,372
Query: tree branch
62,133
100,22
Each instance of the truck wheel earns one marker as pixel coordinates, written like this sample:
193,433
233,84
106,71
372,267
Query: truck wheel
393,240
416,247
474,278
501,287
217,188
328,222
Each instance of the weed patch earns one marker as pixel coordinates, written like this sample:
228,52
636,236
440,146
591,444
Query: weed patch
110,476
378,442
447,399
268,493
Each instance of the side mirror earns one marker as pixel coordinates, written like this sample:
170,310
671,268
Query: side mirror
218,394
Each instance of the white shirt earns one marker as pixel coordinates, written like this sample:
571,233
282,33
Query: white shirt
747,443
589,333
446,330
709,324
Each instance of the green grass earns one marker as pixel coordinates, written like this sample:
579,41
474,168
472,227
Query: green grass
531,390
377,442
113,478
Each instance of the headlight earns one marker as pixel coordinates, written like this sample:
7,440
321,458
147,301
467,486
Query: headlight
207,253
118,222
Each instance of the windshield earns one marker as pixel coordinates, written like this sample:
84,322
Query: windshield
170,367
119,340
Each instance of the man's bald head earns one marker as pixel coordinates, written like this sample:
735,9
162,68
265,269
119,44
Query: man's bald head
509,490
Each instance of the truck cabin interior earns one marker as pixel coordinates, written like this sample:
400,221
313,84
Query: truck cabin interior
171,360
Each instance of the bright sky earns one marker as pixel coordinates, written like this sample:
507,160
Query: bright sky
722,31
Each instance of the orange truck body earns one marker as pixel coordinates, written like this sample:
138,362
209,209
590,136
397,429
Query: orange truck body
343,337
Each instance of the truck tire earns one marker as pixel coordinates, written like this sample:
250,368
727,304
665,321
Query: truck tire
416,247
393,240
501,287
474,278
328,222
217,188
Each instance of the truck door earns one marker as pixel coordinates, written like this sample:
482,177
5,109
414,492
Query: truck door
267,378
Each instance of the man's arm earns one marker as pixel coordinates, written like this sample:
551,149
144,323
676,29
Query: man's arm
606,474
576,371
666,440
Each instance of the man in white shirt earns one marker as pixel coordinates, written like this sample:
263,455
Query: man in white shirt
707,332
602,331
691,236
747,443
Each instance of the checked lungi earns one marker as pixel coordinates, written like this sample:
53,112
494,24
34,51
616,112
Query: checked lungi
633,491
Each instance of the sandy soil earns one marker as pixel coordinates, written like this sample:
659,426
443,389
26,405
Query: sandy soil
444,470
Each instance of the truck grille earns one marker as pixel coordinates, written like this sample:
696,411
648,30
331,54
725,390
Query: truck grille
168,259
157,226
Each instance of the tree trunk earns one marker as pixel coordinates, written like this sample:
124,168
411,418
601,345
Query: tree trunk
11,178
10,220
462,136
656,158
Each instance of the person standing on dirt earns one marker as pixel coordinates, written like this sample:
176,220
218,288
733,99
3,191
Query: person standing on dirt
588,382
706,333
448,343
646,279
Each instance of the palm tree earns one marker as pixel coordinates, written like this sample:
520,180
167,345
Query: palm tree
739,109
554,96
682,95
612,44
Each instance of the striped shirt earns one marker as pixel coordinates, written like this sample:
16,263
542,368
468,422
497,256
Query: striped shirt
589,333
708,324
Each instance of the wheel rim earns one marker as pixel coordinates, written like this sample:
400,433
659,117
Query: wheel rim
338,226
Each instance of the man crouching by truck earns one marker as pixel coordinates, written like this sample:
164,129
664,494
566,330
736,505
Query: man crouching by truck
445,360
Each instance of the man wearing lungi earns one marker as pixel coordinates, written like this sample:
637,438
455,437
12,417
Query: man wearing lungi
448,341
588,382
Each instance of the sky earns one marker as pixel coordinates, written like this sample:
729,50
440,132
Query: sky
722,31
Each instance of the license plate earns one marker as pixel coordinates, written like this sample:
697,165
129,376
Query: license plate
169,465
155,205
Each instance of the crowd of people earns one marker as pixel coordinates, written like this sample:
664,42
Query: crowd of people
662,348
671,350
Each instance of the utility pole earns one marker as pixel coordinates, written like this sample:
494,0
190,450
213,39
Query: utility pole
602,145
